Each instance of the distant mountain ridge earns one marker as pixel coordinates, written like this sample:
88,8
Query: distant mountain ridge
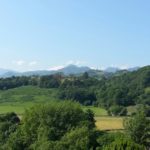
68,70
3,71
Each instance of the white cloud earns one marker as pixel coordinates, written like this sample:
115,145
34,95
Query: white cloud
19,62
32,63
24,65
121,66
124,67
76,62
97,68
56,68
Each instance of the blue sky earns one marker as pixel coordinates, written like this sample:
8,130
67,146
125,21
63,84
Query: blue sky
42,34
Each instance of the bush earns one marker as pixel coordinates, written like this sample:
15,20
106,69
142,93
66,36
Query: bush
117,111
138,128
8,125
106,138
124,144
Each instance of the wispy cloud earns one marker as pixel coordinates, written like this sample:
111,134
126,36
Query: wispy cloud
76,62
56,68
121,66
33,63
24,63
19,62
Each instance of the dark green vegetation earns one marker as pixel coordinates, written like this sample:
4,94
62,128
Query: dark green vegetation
65,126
138,128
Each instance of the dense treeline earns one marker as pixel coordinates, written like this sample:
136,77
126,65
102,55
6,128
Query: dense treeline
65,126
129,88
52,81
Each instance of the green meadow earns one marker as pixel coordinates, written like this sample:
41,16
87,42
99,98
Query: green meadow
19,99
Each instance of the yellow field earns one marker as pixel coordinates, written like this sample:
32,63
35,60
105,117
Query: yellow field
109,123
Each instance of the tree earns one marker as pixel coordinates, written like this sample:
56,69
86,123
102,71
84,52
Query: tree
124,144
48,124
51,81
138,128
76,139
8,125
84,96
85,75
117,111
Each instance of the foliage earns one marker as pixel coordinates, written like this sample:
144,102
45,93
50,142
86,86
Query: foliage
83,96
138,128
106,138
117,111
49,124
64,125
126,89
52,81
124,144
8,125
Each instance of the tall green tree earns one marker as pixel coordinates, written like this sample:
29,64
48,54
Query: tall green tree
138,128
49,124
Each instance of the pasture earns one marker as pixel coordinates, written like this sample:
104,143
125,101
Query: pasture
109,123
97,110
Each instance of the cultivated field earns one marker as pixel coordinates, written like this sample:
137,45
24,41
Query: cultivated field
109,123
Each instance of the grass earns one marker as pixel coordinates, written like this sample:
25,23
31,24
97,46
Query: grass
27,94
109,123
17,108
97,110
18,99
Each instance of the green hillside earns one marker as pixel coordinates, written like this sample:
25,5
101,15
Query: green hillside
18,99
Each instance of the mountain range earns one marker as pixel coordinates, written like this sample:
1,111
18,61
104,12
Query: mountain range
68,70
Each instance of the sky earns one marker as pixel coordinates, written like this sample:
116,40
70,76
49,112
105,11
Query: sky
50,34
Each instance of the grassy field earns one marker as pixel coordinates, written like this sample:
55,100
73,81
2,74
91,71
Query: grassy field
27,94
18,108
97,110
19,99
109,123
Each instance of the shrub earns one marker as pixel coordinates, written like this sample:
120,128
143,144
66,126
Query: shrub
117,111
